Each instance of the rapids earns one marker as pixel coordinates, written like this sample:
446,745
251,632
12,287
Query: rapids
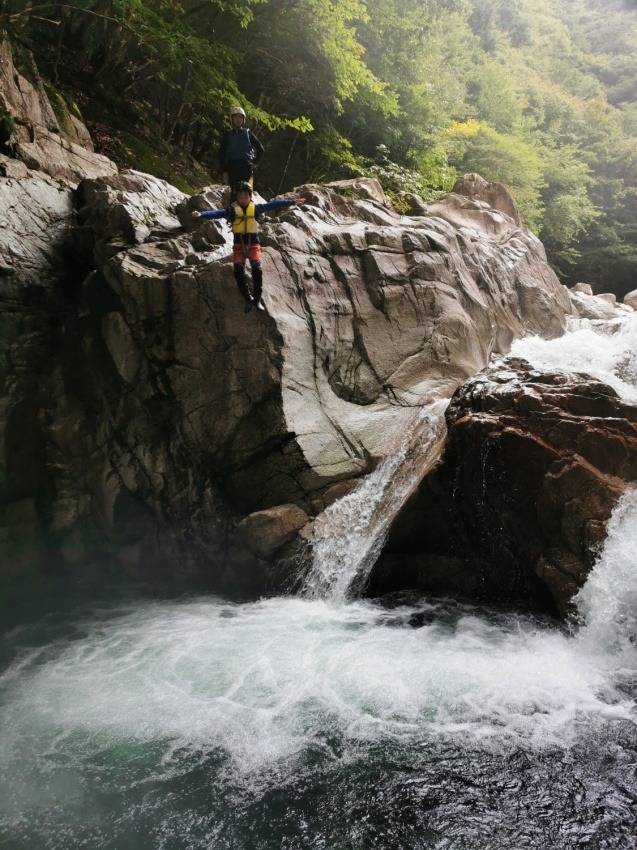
137,723
290,722
607,350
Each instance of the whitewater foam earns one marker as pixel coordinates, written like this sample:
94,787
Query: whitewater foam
605,350
608,601
133,711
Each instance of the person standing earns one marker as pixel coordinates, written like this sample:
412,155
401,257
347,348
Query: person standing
239,152
244,216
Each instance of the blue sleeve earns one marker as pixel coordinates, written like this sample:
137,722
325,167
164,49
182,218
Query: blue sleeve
275,205
216,214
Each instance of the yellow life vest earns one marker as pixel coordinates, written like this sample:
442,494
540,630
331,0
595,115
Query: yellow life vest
245,220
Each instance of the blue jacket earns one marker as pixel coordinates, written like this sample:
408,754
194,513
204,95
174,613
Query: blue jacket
239,145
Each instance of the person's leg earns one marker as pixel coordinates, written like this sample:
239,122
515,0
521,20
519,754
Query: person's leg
257,281
240,274
242,283
257,274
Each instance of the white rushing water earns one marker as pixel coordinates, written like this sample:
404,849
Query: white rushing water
349,534
605,350
154,724
608,600
264,681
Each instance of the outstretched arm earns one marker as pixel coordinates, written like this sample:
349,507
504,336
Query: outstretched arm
212,214
278,205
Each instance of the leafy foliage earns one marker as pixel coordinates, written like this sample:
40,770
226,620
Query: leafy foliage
536,94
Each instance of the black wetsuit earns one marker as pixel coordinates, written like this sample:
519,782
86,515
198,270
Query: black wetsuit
239,152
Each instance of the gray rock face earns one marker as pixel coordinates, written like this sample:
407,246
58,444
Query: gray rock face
36,215
144,415
42,261
172,415
39,139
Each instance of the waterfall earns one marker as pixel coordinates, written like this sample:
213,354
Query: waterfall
608,601
349,534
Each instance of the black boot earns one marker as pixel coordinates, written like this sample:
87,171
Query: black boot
257,280
242,283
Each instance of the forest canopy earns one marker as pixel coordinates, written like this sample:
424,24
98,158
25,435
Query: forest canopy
538,94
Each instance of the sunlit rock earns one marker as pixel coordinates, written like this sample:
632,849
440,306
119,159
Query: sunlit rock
186,415
630,299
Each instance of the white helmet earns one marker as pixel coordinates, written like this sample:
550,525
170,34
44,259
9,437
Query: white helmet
237,110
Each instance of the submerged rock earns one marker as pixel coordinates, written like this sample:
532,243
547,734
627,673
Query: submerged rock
534,464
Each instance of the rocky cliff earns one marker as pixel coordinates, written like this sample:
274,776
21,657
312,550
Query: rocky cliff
146,421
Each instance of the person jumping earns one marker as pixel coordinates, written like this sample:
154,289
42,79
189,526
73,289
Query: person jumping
239,152
244,216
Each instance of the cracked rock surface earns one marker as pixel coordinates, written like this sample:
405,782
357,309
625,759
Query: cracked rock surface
58,145
146,420
173,416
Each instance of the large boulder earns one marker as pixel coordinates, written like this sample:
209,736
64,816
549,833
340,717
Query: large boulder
264,532
595,307
586,288
174,415
534,464
493,195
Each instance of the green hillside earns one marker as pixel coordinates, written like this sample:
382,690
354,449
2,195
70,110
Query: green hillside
539,94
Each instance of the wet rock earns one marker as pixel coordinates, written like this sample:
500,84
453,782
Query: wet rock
534,465
43,258
263,532
36,216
